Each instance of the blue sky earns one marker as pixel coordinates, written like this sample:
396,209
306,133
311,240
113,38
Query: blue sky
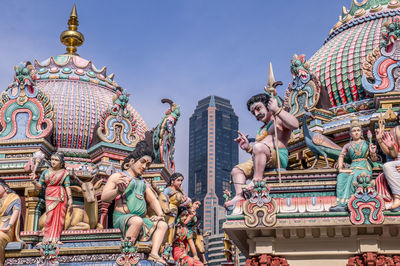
184,50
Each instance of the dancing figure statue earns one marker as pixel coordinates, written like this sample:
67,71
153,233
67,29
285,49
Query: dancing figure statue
10,208
358,151
58,197
132,196
270,150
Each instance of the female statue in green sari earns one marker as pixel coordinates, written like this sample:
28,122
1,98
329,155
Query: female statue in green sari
358,151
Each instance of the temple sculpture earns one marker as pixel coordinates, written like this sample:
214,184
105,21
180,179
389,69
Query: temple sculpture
345,209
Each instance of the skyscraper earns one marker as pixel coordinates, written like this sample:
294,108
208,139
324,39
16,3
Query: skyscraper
212,153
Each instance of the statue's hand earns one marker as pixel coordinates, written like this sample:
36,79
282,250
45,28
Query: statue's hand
121,183
243,141
372,148
33,176
273,105
388,140
156,218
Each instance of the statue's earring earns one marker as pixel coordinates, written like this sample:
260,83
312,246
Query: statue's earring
127,165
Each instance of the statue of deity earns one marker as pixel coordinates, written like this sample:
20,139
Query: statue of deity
176,197
358,151
184,235
58,197
270,149
390,145
132,195
10,208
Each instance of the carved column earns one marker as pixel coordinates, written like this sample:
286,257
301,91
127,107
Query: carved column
103,206
31,202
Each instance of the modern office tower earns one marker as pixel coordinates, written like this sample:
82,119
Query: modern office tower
212,153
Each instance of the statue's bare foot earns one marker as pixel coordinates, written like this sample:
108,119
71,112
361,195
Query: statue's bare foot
156,259
250,186
395,206
233,201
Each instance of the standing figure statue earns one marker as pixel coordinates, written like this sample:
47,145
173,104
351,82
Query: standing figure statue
265,109
390,145
58,197
185,229
10,208
358,151
176,197
132,194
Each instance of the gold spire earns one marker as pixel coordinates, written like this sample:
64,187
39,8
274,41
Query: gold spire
271,84
72,38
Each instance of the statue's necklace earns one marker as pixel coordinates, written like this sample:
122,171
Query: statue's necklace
358,148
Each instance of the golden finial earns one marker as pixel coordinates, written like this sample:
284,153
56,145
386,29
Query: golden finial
72,38
271,83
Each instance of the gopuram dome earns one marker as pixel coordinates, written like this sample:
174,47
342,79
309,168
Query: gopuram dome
80,93
338,64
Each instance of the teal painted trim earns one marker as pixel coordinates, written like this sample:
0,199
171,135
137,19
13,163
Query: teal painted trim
302,195
234,217
110,145
312,215
390,213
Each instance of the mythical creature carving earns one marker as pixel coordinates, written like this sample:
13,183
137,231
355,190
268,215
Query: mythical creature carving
164,136
304,92
260,202
381,67
366,206
118,124
25,110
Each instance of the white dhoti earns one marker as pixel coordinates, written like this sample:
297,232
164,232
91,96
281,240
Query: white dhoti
392,176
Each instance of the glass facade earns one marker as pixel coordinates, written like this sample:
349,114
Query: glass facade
223,126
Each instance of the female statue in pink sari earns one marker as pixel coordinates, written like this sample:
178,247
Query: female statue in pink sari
57,194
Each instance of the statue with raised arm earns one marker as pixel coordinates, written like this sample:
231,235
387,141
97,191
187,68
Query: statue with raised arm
133,195
58,197
271,140
359,152
390,145
10,208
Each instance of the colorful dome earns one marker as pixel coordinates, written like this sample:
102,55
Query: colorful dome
338,63
80,93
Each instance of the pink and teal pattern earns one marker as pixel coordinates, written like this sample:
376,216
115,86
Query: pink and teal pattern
25,111
80,94
338,63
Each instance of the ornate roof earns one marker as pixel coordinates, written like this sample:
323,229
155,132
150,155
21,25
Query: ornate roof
80,93
338,63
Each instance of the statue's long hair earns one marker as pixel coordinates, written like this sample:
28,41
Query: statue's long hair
262,98
173,177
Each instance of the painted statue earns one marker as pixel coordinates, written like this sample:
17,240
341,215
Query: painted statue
132,197
359,151
10,208
275,132
390,145
184,236
58,197
176,196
